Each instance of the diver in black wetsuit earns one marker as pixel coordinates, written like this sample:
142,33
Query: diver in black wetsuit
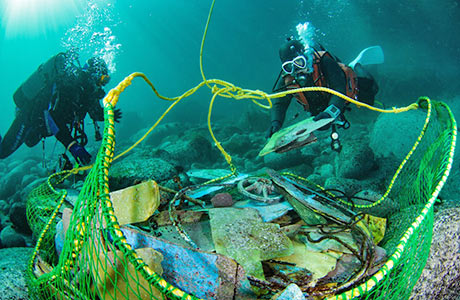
325,71
54,100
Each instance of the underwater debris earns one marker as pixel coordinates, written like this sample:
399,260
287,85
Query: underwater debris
252,248
294,136
259,189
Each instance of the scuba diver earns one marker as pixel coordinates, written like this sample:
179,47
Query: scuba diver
54,100
301,68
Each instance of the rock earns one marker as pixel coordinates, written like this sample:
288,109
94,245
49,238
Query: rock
4,207
349,186
397,224
396,133
10,238
383,210
32,185
192,150
452,188
250,166
292,292
12,181
18,217
226,130
238,144
222,200
440,279
13,163
13,263
315,178
356,160
28,178
4,220
325,171
279,161
325,156
242,235
38,170
135,169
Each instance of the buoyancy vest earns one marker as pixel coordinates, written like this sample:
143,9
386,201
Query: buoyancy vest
40,83
319,79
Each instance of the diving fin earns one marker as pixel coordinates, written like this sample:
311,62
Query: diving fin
369,56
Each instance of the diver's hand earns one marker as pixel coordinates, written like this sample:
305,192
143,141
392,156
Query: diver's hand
117,115
331,111
276,125
80,154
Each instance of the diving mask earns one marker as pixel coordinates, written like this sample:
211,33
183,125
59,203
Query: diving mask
289,66
103,80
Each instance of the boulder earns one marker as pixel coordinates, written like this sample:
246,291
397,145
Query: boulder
238,143
135,169
13,263
4,207
10,183
350,186
440,279
325,171
10,238
19,218
191,150
395,134
356,160
384,210
279,161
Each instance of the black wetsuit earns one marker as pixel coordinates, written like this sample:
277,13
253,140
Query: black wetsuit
56,108
318,101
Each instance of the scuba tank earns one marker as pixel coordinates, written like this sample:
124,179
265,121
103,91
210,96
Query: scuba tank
40,83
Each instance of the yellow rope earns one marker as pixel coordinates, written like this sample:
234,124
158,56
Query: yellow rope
403,163
393,261
395,176
226,90
346,98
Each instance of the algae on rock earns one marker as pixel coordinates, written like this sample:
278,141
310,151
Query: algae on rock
242,235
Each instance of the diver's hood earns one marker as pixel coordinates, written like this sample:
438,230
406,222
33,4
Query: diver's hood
290,50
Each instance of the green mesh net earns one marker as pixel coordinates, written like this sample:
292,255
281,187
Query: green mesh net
96,261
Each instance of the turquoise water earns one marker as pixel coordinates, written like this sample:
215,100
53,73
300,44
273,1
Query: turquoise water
162,39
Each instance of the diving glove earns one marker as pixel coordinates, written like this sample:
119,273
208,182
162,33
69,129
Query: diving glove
79,153
117,115
331,111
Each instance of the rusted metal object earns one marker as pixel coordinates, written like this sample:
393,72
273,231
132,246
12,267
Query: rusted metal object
298,195
335,219
259,189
